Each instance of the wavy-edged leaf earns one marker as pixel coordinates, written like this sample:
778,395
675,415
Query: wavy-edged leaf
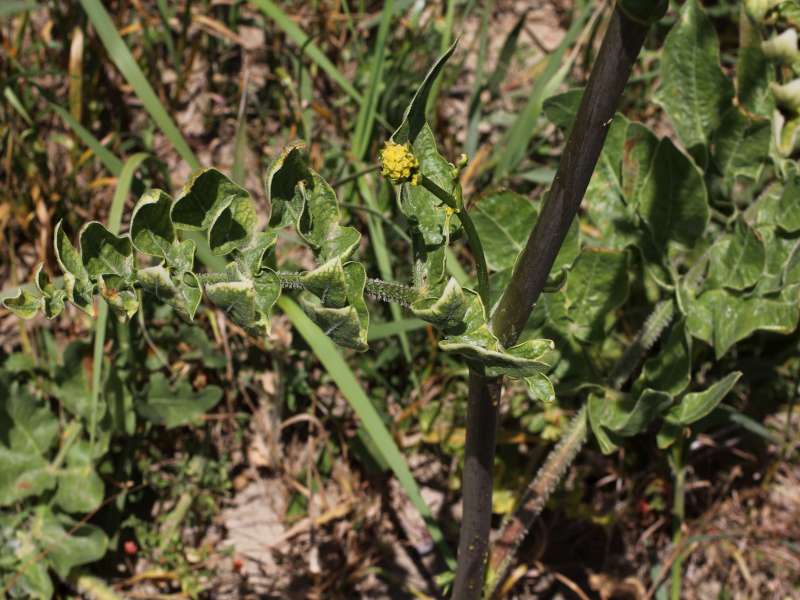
347,325
445,311
104,253
78,287
120,295
328,283
281,185
181,291
252,258
478,345
694,90
212,202
152,231
53,297
320,224
25,305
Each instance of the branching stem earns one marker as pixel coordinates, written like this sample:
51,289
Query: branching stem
621,45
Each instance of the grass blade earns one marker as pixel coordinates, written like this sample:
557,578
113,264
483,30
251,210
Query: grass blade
272,11
366,115
124,182
379,331
346,381
125,62
524,126
13,7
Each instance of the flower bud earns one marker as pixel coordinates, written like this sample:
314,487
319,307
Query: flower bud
398,164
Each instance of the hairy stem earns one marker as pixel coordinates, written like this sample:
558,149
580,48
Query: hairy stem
621,45
385,291
533,501
516,527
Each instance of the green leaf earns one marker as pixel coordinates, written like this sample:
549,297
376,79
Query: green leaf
212,202
741,145
320,222
346,325
697,405
414,120
76,279
596,286
25,305
120,295
672,198
445,311
694,91
328,283
615,415
424,210
478,345
80,488
737,260
504,220
72,383
252,259
722,319
247,300
26,423
67,544
787,214
281,185
104,253
176,405
23,475
670,370
754,71
562,108
183,292
152,231
53,297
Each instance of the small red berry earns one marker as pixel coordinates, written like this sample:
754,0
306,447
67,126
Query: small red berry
130,548
238,564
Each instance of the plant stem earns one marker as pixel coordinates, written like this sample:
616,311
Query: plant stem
534,500
621,45
678,514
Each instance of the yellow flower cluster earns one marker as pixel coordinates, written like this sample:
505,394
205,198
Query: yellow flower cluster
398,164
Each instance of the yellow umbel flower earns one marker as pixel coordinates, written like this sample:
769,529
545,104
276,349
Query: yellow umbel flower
398,164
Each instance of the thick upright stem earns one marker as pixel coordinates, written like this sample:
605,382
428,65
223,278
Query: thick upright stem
476,523
621,46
